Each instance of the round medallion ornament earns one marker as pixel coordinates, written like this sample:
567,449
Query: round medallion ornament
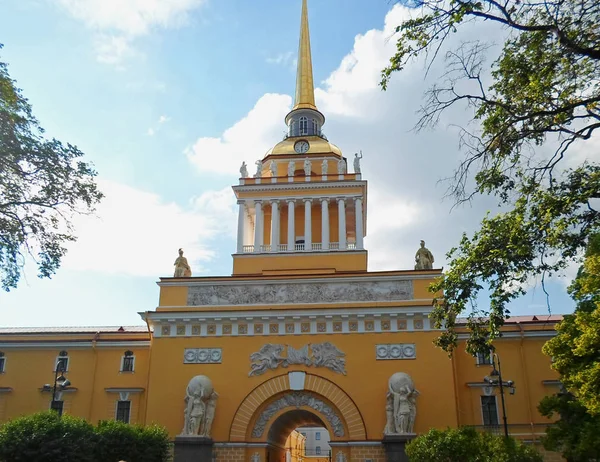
301,147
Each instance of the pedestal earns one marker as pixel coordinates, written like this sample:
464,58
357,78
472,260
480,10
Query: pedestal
395,445
193,449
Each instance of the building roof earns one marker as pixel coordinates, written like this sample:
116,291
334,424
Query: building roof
529,318
73,330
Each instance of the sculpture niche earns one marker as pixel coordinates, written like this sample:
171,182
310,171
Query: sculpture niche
401,406
200,406
182,268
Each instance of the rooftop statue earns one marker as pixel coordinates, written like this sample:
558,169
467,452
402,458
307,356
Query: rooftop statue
423,258
259,166
273,168
182,268
307,166
324,167
357,162
244,170
341,166
291,168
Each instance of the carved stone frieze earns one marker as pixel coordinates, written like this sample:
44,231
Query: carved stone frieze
396,351
326,292
270,357
202,356
295,400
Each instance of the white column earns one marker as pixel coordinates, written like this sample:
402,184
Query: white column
291,240
359,223
274,226
325,224
342,223
307,225
240,233
258,226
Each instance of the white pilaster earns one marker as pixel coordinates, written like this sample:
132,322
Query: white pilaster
342,223
241,220
291,236
325,224
307,225
258,226
359,223
274,226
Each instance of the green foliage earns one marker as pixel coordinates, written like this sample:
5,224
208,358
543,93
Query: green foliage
543,99
576,435
43,184
468,445
46,437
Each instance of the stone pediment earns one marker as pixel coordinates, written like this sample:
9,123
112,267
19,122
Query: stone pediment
289,292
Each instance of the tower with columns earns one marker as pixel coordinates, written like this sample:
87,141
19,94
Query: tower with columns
302,210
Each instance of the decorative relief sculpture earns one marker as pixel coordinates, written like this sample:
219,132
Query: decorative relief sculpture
202,356
273,168
200,406
324,167
269,357
259,166
396,351
341,166
401,405
295,400
340,457
291,168
244,170
241,294
182,269
423,258
255,457
357,162
307,167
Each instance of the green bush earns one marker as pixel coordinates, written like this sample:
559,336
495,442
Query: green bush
468,445
45,437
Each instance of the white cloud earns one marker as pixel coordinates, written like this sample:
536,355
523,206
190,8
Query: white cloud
118,22
247,139
141,233
150,132
163,119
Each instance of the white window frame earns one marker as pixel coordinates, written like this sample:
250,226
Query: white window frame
497,410
117,409
318,436
478,357
315,126
123,364
66,369
303,125
2,362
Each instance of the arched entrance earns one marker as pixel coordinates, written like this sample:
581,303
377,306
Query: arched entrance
276,407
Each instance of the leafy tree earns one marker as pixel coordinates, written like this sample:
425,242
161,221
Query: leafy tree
466,444
576,435
575,349
46,437
543,100
43,184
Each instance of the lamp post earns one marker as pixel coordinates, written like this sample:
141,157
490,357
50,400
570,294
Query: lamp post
495,380
60,383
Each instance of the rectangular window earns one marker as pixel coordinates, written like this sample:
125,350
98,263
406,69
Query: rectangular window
2,362
318,450
123,411
57,406
127,363
489,410
317,435
484,358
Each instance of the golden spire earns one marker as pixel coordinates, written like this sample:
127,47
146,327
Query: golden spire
305,91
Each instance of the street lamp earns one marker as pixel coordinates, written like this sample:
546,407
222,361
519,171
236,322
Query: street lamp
495,380
60,383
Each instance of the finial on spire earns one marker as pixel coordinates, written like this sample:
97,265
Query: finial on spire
305,90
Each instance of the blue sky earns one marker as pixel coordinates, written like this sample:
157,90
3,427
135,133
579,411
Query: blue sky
167,97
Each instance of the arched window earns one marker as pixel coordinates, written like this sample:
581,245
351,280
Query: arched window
292,128
128,361
2,362
315,127
303,126
62,362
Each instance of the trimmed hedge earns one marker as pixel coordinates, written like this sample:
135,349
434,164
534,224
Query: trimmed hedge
45,437
466,444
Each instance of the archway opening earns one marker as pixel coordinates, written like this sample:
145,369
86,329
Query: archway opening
293,438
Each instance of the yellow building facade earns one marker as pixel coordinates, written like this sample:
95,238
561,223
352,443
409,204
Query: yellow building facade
301,334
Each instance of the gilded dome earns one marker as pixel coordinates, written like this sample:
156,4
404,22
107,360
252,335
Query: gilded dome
317,145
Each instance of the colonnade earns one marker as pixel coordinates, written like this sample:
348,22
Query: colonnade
291,246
